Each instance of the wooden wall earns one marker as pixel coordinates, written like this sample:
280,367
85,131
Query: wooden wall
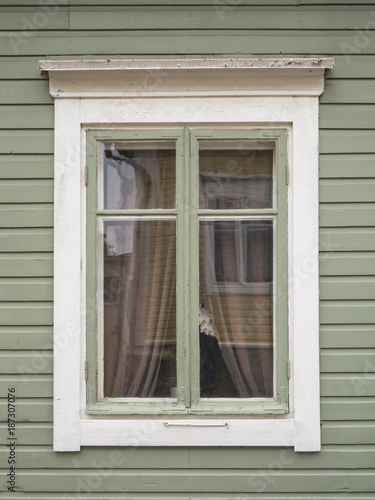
75,29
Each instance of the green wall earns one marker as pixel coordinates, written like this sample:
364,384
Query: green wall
76,29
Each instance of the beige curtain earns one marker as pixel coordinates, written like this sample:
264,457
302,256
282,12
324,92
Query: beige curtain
140,317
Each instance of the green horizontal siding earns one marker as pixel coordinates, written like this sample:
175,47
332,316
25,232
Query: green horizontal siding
91,29
347,336
28,361
26,313
30,117
26,289
347,215
353,385
233,481
26,337
20,92
26,215
347,166
26,264
347,264
201,18
28,239
23,166
226,42
358,287
345,239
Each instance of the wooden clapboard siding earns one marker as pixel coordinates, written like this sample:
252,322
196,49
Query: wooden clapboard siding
88,29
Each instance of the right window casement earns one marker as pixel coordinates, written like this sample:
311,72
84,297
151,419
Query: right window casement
187,271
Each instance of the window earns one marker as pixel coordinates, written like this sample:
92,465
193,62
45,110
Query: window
163,204
189,203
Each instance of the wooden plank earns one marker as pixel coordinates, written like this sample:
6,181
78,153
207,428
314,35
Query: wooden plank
346,336
20,92
330,457
347,408
26,264
27,215
347,166
352,66
35,433
26,142
346,239
26,313
345,190
28,385
31,116
30,20
26,240
358,288
19,68
136,43
337,385
348,91
197,17
348,433
26,362
32,410
26,191
21,289
347,264
41,457
26,337
26,167
346,360
346,116
347,215
345,311
233,481
347,141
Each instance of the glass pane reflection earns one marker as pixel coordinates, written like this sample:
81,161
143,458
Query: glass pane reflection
235,175
139,299
139,175
236,291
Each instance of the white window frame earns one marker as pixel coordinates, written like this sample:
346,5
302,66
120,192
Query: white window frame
248,93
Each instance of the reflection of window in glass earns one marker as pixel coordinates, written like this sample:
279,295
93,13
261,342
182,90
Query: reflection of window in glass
242,253
236,287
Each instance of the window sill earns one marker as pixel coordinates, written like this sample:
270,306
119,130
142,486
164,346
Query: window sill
197,432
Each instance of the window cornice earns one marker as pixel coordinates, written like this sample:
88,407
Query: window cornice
187,77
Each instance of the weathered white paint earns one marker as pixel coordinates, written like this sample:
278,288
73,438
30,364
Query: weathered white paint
286,63
233,101
164,432
202,77
67,276
304,272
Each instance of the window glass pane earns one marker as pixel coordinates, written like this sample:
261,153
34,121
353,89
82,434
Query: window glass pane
235,175
236,317
138,175
139,307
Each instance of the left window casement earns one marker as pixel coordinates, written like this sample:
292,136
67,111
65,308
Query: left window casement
186,272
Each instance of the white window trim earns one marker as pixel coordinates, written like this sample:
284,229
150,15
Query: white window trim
160,93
